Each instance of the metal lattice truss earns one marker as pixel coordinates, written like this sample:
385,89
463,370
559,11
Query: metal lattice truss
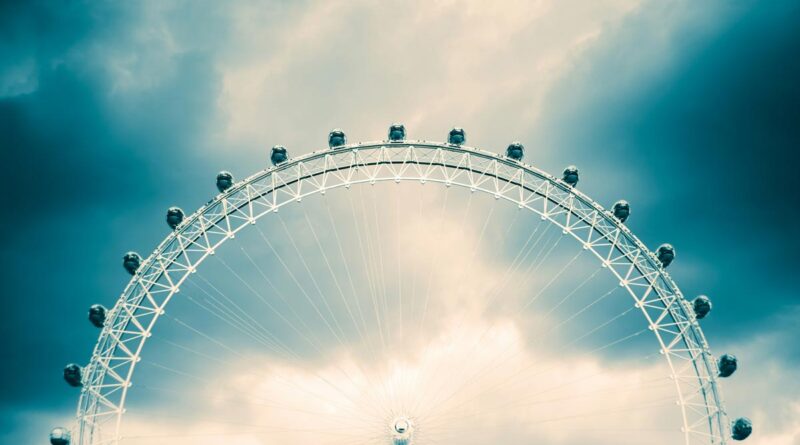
109,375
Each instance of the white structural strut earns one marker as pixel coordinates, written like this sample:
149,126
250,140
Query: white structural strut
109,375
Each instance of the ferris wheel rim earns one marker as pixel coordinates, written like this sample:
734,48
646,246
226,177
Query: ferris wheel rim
98,373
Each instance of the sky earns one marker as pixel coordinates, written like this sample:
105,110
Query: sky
112,112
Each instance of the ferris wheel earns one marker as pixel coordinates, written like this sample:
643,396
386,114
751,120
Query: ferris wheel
401,292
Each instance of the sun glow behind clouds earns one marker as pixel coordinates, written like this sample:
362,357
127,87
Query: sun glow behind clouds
452,392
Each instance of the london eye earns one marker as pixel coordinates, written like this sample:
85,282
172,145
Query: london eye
401,292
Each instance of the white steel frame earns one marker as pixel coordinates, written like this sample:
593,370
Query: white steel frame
109,375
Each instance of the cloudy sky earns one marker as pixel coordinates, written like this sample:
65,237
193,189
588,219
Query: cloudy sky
111,112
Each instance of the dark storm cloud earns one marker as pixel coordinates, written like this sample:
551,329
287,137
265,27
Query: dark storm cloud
98,123
711,137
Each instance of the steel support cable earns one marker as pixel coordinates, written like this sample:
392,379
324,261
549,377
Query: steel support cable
506,275
492,325
574,291
424,368
372,265
282,297
399,263
532,366
461,280
213,310
552,280
234,312
297,283
333,275
314,283
341,293
362,225
427,345
305,293
494,364
523,395
656,403
325,302
367,271
428,286
404,382
241,356
289,350
430,272
368,342
248,400
578,313
334,386
264,300
663,382
252,365
355,293
380,264
265,428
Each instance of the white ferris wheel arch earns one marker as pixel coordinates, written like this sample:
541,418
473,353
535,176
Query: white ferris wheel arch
109,375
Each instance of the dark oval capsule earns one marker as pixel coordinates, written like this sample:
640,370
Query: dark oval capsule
570,175
741,428
224,181
278,155
701,306
397,132
622,210
336,138
727,365
97,315
174,217
515,151
60,436
665,254
72,375
457,136
131,262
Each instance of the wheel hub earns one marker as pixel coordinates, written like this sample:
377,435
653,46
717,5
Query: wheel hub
402,430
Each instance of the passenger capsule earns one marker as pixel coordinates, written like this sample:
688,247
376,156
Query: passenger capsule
397,132
131,262
336,138
515,151
457,136
279,155
174,217
224,181
72,375
571,175
97,315
741,428
622,210
727,365
701,306
665,254
60,436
